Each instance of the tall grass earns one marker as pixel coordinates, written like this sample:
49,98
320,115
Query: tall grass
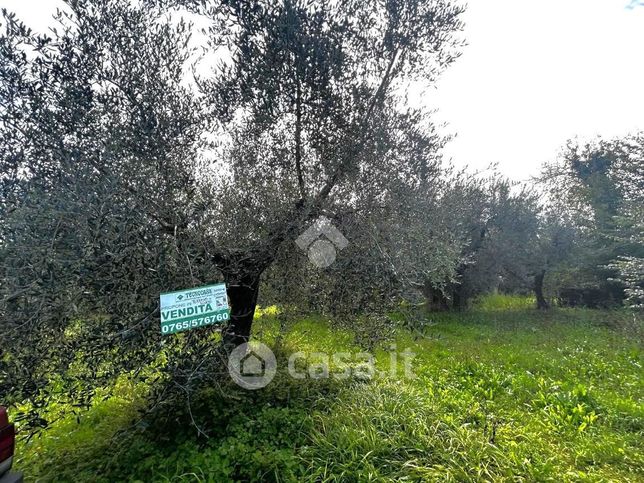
499,301
501,393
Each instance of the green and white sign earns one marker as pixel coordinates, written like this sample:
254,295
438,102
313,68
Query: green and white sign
194,307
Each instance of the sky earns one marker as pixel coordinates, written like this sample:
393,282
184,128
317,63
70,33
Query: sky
532,75
537,73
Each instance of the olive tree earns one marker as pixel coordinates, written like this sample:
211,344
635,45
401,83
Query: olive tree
490,224
127,172
309,104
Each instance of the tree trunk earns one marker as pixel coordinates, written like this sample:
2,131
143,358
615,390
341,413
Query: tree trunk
542,303
459,298
243,300
434,299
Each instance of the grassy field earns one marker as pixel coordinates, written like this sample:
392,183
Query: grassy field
501,392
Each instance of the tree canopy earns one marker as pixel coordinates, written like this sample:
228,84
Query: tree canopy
126,173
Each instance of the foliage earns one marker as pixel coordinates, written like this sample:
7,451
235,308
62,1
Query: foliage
138,156
596,193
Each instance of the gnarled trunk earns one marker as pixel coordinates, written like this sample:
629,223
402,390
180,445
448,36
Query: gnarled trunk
242,293
542,303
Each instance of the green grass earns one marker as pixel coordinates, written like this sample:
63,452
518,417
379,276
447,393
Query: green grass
496,302
501,392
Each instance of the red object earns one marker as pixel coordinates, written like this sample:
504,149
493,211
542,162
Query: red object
7,436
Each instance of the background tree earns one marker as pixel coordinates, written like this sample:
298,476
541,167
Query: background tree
591,187
629,222
553,251
493,226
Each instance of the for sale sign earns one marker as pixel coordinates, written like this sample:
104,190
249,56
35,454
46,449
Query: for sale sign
192,308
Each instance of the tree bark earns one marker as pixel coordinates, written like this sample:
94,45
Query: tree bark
435,300
542,303
460,293
459,297
243,300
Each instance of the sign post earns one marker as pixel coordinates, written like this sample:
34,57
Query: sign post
193,308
